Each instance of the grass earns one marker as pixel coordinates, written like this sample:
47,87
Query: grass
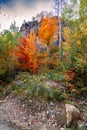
33,86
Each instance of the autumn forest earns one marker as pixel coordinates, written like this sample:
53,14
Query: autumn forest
22,52
48,60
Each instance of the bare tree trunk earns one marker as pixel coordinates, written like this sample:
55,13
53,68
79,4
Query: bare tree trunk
60,35
58,8
48,50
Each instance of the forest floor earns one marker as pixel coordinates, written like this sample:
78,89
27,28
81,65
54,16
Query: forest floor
32,116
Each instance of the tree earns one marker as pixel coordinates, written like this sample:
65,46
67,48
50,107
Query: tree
83,9
66,45
76,43
7,42
27,52
58,7
48,31
14,28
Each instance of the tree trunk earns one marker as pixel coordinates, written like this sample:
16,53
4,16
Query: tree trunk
48,50
58,7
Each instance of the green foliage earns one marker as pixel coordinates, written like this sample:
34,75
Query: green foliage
14,28
83,9
38,91
8,60
33,87
55,76
80,69
75,47
55,94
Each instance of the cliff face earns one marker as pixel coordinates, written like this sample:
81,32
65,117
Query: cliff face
27,26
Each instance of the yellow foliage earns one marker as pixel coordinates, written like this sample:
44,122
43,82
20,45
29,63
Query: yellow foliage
68,39
78,42
83,27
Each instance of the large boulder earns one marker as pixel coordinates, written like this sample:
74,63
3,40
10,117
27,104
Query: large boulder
72,116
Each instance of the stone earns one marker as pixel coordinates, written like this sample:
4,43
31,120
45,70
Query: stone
72,116
18,82
62,129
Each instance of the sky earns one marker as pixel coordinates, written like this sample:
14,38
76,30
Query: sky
20,10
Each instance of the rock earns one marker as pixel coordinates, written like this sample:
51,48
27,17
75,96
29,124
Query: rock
45,127
86,125
18,82
44,118
72,116
27,26
52,104
62,129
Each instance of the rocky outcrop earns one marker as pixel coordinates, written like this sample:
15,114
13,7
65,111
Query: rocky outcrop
27,26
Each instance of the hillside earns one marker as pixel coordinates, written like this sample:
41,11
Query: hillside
37,102
43,71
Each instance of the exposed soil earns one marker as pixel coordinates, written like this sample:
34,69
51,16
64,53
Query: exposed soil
35,114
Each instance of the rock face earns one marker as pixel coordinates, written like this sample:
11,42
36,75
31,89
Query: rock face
72,116
27,26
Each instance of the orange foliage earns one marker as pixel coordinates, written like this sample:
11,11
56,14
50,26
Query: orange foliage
70,75
48,30
26,53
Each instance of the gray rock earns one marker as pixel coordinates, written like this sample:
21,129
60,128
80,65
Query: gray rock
62,129
18,82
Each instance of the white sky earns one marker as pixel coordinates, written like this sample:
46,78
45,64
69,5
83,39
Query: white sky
19,11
